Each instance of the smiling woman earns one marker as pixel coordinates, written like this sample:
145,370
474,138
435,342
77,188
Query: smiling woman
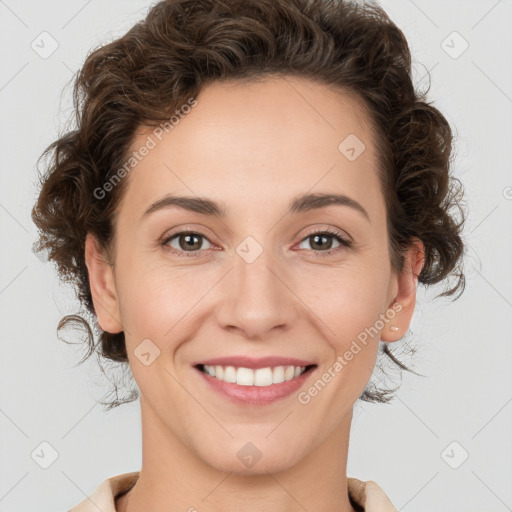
250,199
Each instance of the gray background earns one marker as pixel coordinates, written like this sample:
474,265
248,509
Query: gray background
411,447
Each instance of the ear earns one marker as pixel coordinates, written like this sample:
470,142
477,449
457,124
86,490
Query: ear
405,300
102,284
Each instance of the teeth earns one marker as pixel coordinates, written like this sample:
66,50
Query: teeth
263,377
229,374
289,373
278,375
244,377
248,377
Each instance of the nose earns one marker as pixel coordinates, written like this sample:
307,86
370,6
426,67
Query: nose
256,299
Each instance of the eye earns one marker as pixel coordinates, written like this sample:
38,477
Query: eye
191,242
187,241
319,240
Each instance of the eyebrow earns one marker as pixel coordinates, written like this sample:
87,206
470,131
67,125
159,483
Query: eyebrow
299,204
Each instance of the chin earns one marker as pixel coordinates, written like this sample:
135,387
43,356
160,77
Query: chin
251,458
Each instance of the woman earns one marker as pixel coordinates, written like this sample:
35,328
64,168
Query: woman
253,192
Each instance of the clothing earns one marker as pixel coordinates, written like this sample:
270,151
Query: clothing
368,495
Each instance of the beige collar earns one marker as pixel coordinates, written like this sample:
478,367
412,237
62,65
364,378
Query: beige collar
367,495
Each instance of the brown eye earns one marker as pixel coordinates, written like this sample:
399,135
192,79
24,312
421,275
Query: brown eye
322,242
187,241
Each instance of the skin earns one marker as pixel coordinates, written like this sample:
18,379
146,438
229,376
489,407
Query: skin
288,302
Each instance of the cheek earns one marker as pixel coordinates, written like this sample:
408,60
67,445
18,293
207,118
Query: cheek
352,313
351,305
349,299
154,299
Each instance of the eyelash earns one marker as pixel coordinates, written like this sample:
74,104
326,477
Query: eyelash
194,254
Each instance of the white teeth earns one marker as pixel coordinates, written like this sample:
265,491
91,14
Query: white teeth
263,377
289,373
229,374
278,375
219,371
244,377
248,377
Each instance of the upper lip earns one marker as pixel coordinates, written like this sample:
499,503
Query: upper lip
255,362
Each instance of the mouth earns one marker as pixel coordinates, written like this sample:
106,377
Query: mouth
261,377
255,382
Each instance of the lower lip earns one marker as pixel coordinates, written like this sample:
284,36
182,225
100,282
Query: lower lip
256,395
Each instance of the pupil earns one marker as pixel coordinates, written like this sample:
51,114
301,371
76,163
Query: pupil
316,237
189,244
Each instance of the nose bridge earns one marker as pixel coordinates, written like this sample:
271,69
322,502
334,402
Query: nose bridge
257,299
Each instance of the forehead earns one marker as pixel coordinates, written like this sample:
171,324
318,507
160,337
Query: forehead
260,143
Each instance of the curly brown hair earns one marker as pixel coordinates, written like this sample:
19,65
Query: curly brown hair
183,45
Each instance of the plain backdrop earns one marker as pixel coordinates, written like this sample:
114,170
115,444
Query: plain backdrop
443,444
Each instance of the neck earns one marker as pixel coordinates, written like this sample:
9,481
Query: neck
174,478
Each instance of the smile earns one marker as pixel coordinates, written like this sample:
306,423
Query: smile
258,386
261,377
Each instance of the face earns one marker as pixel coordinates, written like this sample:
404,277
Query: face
257,280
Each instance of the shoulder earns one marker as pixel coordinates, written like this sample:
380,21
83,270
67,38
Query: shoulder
369,495
103,497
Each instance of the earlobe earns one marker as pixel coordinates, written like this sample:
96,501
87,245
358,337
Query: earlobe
405,300
102,284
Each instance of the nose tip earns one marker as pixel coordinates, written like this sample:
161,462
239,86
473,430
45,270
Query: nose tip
256,300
